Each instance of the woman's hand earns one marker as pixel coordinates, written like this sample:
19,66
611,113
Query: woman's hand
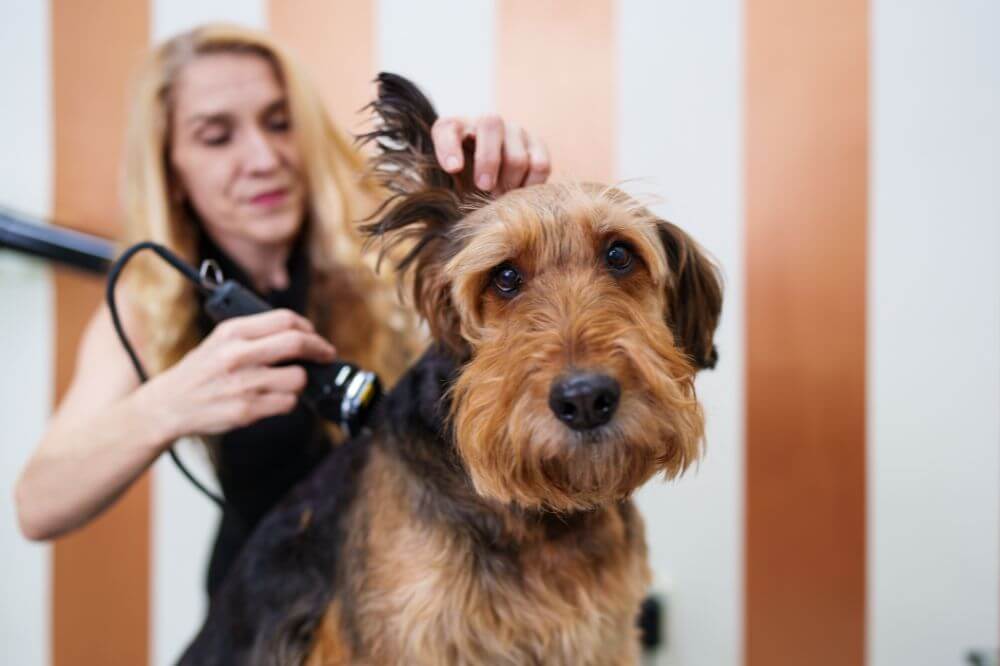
228,380
506,156
109,429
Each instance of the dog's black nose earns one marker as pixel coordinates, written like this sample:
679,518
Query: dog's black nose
584,400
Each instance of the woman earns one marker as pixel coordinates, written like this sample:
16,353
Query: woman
231,156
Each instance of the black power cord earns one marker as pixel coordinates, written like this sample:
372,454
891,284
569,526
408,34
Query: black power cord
338,392
189,273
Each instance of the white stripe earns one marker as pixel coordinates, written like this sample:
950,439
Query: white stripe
934,332
184,525
444,47
26,321
173,16
680,129
184,522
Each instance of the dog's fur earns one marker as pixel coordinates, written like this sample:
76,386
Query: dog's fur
473,526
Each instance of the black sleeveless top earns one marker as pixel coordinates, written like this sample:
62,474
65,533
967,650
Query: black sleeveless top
259,463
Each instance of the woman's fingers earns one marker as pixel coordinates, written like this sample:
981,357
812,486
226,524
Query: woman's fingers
261,325
489,151
261,406
515,158
269,338
506,157
291,345
258,392
539,165
448,134
284,379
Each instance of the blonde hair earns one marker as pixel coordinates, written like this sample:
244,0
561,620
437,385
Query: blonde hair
364,318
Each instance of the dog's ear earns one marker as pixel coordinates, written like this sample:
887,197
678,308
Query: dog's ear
405,163
694,295
413,223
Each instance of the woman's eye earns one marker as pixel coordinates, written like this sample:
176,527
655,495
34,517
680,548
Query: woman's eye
215,139
507,280
279,124
215,134
619,258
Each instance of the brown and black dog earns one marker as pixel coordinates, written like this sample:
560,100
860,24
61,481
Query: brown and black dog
486,517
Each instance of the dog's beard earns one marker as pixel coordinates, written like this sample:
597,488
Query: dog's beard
517,451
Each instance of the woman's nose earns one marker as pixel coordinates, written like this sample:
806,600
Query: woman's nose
260,154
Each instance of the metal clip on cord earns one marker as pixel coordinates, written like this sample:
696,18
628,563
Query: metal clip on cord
339,392
211,274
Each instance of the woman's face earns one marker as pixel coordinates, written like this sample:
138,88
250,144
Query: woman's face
233,151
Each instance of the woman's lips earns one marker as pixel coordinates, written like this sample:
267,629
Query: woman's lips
270,198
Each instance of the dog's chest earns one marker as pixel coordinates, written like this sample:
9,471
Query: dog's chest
429,595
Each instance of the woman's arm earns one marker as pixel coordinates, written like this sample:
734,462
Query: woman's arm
109,428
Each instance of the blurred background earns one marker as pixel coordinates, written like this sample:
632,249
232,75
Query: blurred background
840,158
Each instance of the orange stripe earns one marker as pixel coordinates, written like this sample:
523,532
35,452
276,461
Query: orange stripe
100,586
555,76
335,41
806,188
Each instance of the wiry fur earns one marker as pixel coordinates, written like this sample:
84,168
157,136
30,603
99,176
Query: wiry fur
478,528
426,200
571,315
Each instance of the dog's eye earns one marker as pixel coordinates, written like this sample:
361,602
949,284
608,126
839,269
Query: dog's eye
619,258
507,280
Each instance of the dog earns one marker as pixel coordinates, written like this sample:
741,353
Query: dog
486,516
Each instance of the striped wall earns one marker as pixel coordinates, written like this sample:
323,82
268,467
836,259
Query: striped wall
453,66
837,158
680,133
100,574
557,76
934,331
806,221
326,36
26,326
